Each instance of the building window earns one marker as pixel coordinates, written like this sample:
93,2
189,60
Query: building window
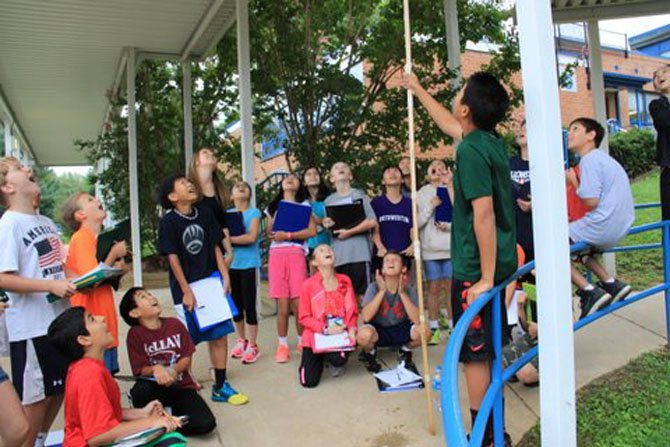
638,107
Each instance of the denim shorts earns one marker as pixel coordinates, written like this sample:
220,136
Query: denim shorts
437,269
3,375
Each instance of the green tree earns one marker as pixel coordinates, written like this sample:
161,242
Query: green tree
55,189
307,62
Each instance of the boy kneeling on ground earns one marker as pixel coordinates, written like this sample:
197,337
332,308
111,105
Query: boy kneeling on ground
160,350
390,315
93,413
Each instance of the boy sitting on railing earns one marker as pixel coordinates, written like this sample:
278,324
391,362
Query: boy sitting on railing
483,235
604,186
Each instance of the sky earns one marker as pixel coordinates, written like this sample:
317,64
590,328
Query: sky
631,27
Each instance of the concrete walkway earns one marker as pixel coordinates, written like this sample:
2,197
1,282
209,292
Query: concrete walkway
350,411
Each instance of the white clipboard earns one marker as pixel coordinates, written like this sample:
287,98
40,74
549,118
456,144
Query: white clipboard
213,307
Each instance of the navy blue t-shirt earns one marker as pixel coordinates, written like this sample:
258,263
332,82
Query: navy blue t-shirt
192,238
520,174
395,222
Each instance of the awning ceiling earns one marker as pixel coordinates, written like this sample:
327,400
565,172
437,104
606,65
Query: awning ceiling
59,57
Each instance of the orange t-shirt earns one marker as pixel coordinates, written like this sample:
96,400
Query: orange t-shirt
99,301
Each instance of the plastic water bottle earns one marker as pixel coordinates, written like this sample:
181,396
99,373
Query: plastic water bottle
437,387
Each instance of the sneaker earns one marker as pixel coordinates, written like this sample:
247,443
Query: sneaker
228,394
435,337
444,322
371,362
238,350
405,357
282,355
592,300
618,289
251,354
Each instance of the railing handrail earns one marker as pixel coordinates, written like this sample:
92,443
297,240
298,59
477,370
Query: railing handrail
454,430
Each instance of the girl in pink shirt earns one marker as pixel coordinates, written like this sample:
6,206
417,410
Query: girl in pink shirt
327,306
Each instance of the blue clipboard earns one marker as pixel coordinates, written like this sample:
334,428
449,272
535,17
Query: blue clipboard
443,213
235,222
291,217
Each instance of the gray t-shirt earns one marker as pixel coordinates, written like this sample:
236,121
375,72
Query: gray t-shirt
603,178
355,248
391,312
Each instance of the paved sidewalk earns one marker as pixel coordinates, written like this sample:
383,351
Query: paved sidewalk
350,411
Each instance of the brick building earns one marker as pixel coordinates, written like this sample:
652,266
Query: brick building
628,66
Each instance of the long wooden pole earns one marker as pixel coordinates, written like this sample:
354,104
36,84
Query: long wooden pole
415,223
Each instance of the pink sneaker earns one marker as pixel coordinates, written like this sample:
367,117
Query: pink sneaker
238,350
251,354
282,355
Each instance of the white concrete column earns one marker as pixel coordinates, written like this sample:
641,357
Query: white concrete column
599,106
187,100
9,143
132,168
550,223
244,72
453,36
597,78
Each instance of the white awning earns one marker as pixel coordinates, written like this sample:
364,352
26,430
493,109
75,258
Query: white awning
59,57
583,10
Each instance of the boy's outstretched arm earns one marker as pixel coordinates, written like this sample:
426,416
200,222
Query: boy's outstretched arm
440,114
485,232
12,282
188,299
223,268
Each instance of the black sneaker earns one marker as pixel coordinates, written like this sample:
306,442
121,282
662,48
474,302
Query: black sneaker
592,300
370,360
618,289
406,358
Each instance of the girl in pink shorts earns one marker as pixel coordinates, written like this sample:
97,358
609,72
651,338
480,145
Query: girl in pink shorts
287,268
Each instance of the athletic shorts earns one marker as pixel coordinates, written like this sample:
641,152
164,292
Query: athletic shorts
38,370
437,269
287,271
358,273
478,343
397,335
197,336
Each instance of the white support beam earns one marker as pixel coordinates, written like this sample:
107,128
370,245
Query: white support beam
244,76
453,36
9,140
187,100
540,85
598,99
132,168
205,20
597,78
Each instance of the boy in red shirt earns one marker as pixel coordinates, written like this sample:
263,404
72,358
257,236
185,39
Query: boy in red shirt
84,214
160,351
93,413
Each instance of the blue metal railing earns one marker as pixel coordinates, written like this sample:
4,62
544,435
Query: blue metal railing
455,432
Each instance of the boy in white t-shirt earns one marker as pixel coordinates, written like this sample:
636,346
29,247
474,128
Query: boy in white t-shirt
32,273
603,185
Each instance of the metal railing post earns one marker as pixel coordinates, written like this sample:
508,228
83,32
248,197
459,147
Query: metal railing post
666,277
497,370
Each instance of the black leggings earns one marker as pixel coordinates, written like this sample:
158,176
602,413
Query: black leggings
183,401
243,288
311,365
665,193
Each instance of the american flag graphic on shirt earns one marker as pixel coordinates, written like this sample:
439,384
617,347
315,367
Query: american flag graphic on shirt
49,251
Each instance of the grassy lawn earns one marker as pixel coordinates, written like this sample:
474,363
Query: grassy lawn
627,407
643,269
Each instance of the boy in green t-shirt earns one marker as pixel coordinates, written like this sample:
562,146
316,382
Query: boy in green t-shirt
483,236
